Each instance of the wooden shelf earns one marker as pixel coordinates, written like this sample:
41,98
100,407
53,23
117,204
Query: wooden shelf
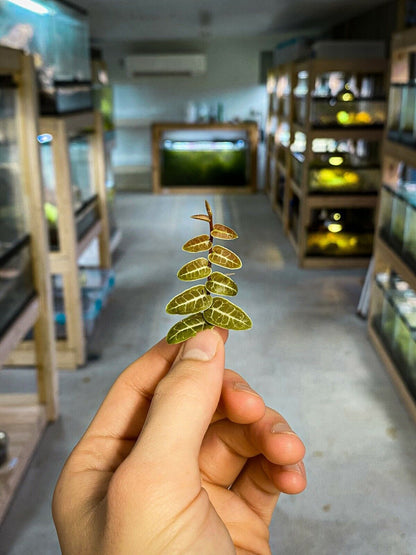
24,420
71,353
341,201
308,200
24,417
400,152
392,371
341,133
395,262
385,257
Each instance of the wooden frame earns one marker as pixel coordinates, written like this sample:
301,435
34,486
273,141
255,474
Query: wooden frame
292,188
157,132
71,352
24,417
386,259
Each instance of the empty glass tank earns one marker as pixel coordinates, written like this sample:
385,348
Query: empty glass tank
16,284
340,232
82,184
58,36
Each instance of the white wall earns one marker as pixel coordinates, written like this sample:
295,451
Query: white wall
232,78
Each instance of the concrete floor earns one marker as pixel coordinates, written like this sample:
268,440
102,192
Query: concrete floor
308,354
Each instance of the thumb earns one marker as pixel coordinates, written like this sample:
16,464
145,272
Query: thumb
184,401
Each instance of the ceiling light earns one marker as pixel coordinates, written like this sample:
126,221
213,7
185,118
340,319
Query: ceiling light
31,5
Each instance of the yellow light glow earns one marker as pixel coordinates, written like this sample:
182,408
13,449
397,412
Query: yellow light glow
347,97
337,216
334,228
343,117
336,160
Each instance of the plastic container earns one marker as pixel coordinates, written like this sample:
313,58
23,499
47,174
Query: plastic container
91,308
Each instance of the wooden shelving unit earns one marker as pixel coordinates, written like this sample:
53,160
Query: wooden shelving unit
279,128
24,417
71,351
389,257
159,129
295,110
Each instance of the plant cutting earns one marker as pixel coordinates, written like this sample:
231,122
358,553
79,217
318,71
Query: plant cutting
200,303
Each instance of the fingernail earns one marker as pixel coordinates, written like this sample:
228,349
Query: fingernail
281,428
241,386
293,468
201,347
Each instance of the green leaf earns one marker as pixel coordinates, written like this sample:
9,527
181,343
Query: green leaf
220,284
202,217
198,244
223,232
221,256
225,314
196,269
186,328
194,299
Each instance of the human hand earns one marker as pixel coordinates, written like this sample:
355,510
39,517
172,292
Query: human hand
181,458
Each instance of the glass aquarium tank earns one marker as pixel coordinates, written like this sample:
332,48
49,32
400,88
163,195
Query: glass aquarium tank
57,34
407,123
16,283
82,182
386,208
394,109
205,162
346,232
344,166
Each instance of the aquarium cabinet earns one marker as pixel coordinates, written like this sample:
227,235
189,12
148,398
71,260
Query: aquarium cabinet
326,119
204,157
392,320
73,167
25,285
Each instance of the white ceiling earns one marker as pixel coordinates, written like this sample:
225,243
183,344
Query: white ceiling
144,20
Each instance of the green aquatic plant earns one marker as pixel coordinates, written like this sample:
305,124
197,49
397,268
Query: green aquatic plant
204,310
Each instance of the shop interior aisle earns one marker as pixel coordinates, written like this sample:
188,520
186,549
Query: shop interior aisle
308,354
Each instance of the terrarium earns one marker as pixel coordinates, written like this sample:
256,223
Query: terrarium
343,232
82,184
16,284
57,34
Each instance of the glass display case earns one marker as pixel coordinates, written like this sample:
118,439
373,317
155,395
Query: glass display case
340,100
16,283
340,166
83,191
394,317
346,232
204,162
57,34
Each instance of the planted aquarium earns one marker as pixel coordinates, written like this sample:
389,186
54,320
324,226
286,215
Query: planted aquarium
16,284
82,183
346,232
211,162
346,166
57,34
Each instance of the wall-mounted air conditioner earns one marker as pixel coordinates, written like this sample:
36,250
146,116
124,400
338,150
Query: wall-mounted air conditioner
165,64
